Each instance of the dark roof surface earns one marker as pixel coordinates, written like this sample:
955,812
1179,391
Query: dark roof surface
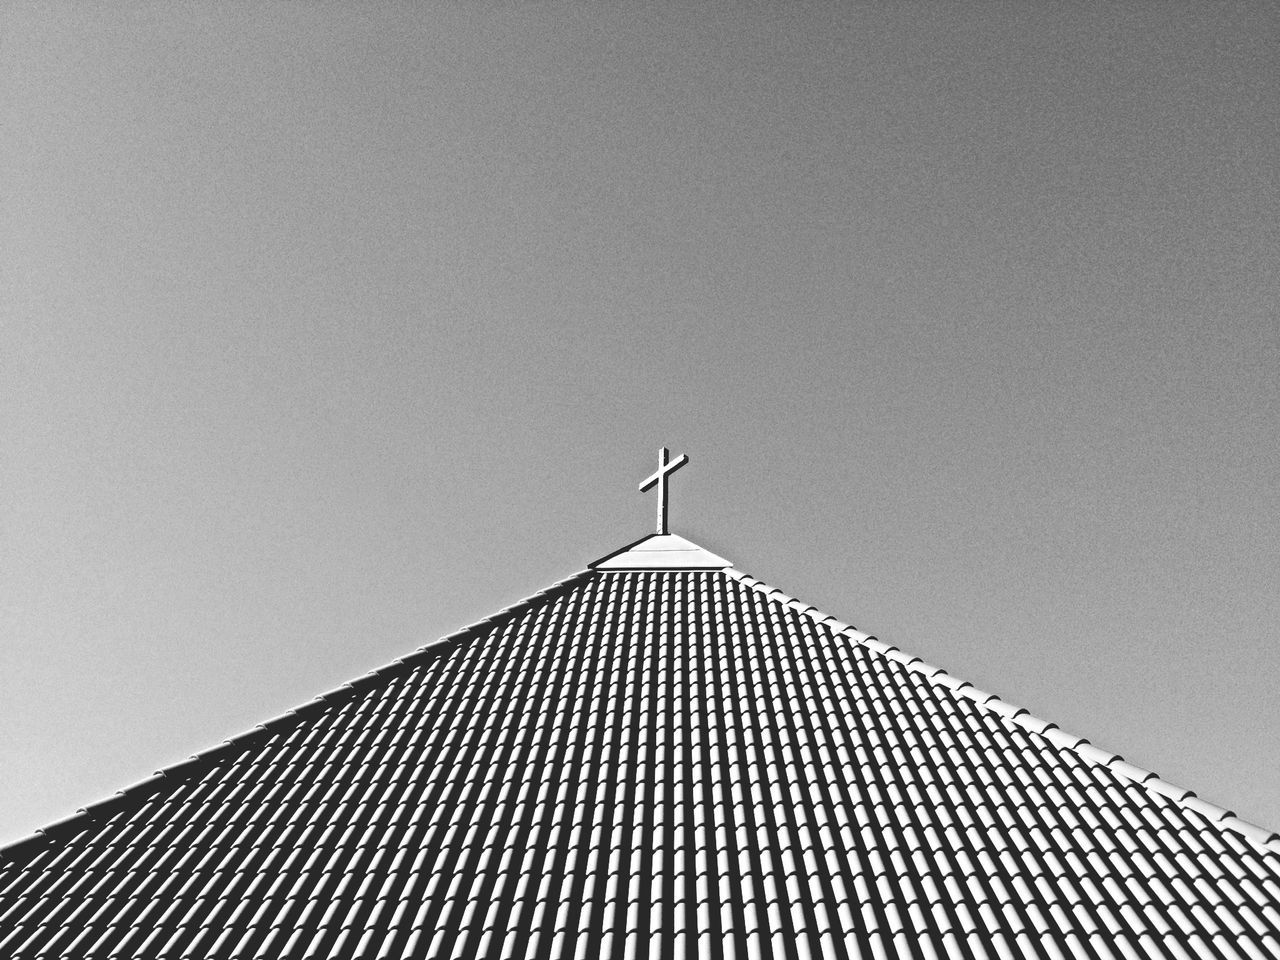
649,763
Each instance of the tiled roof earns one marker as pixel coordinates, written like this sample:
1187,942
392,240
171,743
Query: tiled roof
649,763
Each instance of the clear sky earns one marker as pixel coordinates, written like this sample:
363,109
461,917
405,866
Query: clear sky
328,329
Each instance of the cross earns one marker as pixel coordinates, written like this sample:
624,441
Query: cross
665,468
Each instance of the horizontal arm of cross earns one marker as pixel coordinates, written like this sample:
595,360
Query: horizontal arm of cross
679,461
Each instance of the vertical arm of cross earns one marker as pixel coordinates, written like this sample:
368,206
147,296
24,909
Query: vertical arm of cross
666,467
663,475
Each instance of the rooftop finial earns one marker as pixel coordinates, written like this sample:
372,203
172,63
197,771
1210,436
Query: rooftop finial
665,468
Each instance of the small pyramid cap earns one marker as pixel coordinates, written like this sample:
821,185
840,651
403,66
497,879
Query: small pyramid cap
662,551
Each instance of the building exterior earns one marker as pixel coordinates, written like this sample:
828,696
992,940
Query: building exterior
659,756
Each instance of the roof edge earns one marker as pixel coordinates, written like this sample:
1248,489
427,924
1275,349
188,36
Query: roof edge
183,770
1267,840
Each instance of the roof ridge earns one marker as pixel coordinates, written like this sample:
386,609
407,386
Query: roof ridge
661,551
183,769
1267,840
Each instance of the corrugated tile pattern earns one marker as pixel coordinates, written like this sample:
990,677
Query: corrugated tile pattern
645,764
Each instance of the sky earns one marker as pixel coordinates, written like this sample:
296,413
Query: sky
326,330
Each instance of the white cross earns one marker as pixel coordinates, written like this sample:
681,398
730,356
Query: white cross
665,468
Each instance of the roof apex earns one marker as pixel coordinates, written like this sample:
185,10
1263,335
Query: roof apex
661,551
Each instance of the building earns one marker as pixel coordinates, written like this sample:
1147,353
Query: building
659,756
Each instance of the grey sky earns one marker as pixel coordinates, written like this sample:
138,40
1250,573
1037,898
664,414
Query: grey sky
329,329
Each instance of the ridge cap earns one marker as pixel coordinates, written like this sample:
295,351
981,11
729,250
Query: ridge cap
1265,839
664,551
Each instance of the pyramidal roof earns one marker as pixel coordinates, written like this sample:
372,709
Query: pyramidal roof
656,757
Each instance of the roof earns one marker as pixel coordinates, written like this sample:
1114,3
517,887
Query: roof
649,762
